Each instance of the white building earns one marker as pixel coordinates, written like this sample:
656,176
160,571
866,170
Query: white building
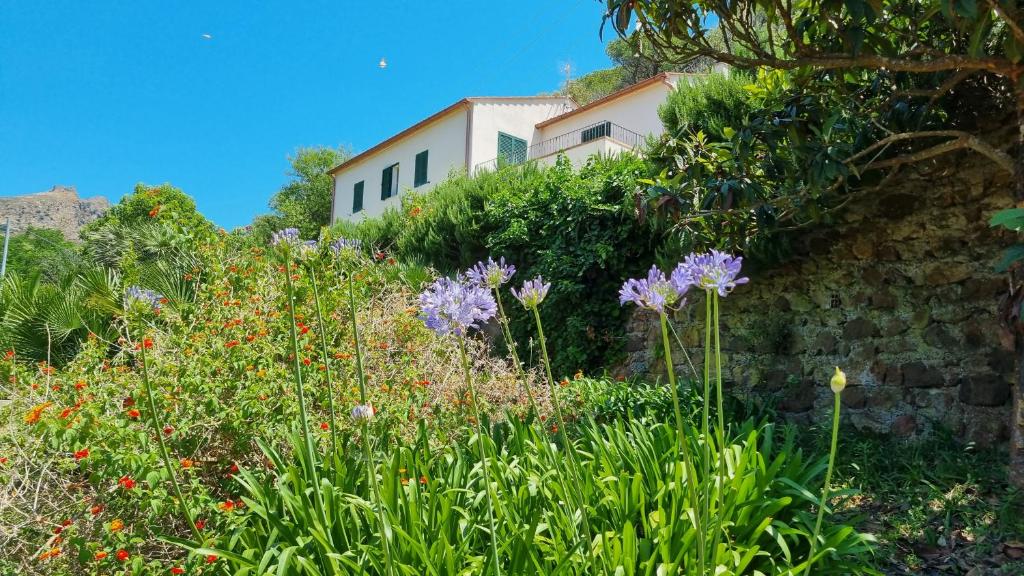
479,133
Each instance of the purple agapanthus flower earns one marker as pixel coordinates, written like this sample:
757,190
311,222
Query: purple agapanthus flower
345,244
491,274
308,249
148,297
656,292
363,412
456,306
712,270
532,293
286,237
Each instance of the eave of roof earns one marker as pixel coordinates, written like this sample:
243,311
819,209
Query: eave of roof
660,77
384,144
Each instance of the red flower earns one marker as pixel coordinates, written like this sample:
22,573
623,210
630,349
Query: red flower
134,414
211,558
3,460
232,344
96,509
128,402
324,426
146,343
200,524
83,453
126,482
168,430
9,355
122,555
154,211
307,361
234,468
177,570
79,385
226,506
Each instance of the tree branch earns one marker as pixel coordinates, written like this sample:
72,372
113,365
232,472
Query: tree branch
960,140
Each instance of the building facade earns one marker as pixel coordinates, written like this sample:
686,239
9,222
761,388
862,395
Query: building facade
477,134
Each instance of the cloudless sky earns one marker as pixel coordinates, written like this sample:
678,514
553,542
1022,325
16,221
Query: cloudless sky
102,95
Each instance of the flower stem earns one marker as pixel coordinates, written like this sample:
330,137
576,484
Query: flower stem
828,479
720,432
163,447
683,443
570,447
507,333
303,419
371,474
483,454
327,365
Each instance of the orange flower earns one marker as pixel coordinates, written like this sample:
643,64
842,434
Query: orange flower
231,344
154,211
96,509
100,555
36,412
134,414
116,525
186,463
51,553
226,506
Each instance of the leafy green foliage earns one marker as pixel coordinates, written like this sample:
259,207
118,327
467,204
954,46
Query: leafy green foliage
41,250
573,227
708,104
305,201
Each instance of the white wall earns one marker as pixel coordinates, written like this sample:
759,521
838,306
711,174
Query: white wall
444,138
515,116
578,155
636,111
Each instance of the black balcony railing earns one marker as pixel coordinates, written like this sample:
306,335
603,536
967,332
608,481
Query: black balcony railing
582,136
595,131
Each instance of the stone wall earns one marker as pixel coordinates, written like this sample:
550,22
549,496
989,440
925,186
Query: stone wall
901,294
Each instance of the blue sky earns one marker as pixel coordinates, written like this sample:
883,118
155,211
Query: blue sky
102,95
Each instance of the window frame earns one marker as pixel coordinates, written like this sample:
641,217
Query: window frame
358,190
419,179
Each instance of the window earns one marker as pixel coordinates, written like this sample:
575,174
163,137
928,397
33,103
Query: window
389,182
596,131
357,197
511,150
420,175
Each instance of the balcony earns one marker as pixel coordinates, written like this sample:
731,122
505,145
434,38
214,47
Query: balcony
606,138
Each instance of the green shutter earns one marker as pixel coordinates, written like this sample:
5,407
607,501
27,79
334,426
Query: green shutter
385,183
420,176
511,150
357,197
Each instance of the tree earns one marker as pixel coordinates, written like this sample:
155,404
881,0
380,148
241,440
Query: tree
305,201
925,51
42,250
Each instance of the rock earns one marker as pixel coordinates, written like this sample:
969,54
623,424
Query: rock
854,397
984,390
898,206
904,426
945,273
894,327
918,375
825,343
872,277
920,318
886,373
864,248
883,299
883,398
1003,363
798,398
59,208
938,337
859,328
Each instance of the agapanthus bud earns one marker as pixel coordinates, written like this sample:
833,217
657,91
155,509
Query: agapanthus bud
343,244
362,413
532,293
491,274
289,237
838,382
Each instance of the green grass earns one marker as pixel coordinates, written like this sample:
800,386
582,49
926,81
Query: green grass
936,506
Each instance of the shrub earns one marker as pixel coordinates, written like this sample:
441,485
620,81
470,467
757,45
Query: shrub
707,103
573,227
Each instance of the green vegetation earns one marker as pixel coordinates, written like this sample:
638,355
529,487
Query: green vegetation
305,201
